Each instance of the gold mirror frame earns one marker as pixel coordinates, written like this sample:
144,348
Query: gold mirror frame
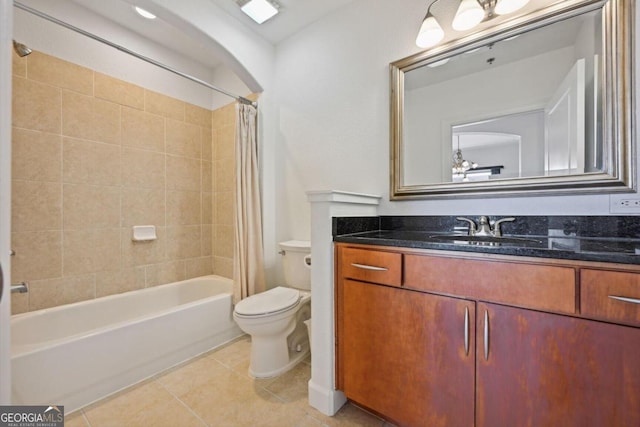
618,108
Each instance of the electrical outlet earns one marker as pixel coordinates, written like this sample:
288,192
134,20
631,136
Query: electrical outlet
629,203
624,204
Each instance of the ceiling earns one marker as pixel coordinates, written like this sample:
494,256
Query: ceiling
294,15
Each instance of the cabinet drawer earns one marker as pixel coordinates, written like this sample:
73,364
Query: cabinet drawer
542,287
371,266
597,287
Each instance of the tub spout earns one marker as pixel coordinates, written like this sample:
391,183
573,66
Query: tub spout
20,288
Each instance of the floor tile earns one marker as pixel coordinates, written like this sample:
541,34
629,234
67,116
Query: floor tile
76,419
215,390
181,380
146,405
349,415
292,385
235,353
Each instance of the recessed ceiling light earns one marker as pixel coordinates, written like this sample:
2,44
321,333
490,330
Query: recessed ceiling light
260,10
144,13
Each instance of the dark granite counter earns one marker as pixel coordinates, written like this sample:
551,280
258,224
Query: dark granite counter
588,238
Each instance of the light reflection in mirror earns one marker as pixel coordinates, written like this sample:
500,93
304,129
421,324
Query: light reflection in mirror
542,86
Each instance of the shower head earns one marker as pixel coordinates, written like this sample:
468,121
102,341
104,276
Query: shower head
21,50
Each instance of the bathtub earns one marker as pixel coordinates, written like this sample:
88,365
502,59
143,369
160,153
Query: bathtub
75,354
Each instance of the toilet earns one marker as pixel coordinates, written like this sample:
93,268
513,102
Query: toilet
275,319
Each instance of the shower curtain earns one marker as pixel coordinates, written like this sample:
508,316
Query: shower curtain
248,266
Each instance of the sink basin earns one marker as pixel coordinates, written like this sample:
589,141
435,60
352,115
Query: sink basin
483,240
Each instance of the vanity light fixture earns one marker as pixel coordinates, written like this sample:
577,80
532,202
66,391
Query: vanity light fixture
144,13
469,14
259,10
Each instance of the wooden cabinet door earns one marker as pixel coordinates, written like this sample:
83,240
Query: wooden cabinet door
553,370
402,354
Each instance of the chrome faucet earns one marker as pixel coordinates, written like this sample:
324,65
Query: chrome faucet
483,228
472,225
21,288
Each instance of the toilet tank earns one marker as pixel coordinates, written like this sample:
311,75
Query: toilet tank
297,269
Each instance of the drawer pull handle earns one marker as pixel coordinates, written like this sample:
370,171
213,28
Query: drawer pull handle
369,267
625,299
466,330
486,335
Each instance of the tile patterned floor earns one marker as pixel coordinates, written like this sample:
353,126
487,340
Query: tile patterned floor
215,390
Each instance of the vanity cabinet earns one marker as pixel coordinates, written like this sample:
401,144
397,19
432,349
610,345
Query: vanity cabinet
402,354
488,341
538,286
611,296
544,369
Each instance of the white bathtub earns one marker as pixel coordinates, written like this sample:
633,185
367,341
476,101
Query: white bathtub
75,354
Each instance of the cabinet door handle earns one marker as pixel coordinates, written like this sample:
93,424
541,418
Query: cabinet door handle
486,335
369,267
625,299
466,330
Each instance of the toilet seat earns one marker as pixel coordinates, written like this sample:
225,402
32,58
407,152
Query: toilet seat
267,303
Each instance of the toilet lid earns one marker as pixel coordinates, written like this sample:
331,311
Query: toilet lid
276,299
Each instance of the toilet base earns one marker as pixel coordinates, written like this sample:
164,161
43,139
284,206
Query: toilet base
279,345
294,357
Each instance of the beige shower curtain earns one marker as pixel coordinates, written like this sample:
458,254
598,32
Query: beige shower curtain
248,265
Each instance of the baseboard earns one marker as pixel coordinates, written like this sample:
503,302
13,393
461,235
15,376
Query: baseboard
325,400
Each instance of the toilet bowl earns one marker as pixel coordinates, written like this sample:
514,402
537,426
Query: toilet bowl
275,318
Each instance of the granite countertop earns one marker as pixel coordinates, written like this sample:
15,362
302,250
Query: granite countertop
577,238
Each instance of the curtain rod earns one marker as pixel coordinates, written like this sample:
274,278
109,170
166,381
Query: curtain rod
50,18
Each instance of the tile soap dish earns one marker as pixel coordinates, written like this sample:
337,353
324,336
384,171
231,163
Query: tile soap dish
144,233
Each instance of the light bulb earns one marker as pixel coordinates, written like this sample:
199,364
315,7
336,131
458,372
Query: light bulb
469,14
430,32
504,7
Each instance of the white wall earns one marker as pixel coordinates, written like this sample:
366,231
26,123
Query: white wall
332,85
226,79
332,81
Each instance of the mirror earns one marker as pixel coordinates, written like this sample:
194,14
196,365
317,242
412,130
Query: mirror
541,104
